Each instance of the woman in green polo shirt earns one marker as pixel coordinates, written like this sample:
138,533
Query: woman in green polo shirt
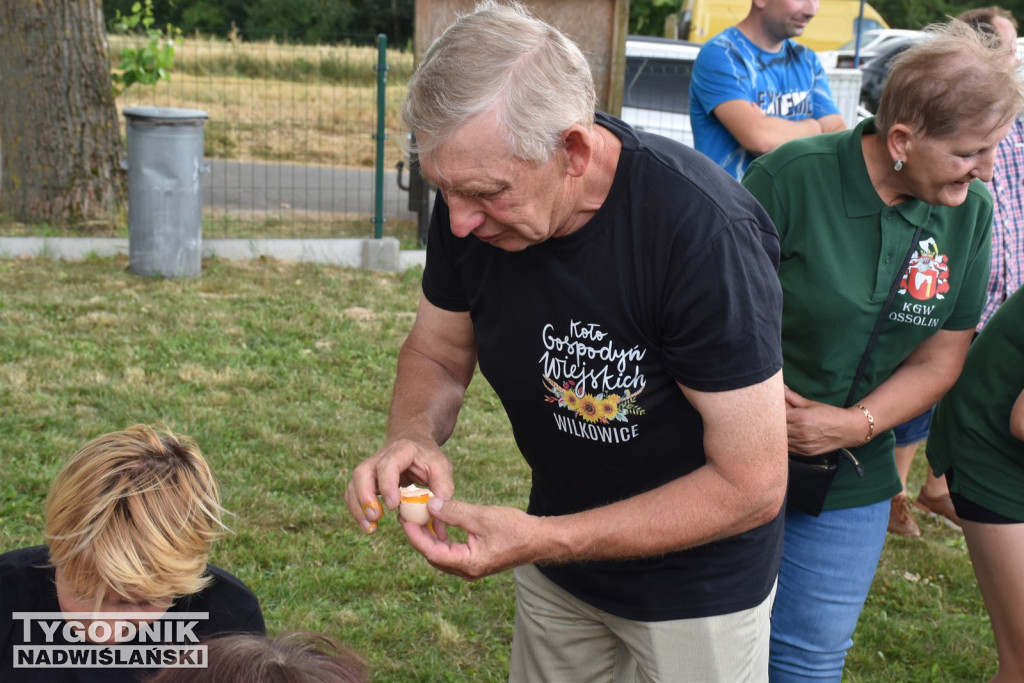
976,440
851,209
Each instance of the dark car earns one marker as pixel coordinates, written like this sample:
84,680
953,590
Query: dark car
874,66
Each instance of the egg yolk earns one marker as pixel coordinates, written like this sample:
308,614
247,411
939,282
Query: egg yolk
418,498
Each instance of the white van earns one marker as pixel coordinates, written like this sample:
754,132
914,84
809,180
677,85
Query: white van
656,90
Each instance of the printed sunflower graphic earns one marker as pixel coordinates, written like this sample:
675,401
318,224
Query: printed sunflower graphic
570,400
608,407
588,409
594,409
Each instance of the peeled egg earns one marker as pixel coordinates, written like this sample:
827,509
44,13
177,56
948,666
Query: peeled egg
413,507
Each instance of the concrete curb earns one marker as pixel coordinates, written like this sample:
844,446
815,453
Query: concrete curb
382,254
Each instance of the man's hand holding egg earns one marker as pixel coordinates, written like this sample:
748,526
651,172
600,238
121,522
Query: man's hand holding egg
413,505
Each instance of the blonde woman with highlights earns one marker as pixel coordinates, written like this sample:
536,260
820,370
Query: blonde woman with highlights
130,520
132,516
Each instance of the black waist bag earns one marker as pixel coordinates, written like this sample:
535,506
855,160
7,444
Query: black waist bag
810,477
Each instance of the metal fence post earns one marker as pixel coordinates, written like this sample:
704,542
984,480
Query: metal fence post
382,81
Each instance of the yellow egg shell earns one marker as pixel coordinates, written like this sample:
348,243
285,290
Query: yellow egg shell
413,506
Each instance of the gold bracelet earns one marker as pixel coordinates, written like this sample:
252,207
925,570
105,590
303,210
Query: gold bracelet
871,422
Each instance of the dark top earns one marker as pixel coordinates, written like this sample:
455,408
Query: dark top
970,433
585,337
27,585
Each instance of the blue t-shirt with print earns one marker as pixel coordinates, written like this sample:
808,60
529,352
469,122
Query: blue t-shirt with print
790,84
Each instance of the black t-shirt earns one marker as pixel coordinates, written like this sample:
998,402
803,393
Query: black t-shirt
585,337
27,586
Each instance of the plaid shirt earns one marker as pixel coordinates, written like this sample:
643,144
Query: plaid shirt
1007,189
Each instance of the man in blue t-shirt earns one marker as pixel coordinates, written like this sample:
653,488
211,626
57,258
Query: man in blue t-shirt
753,88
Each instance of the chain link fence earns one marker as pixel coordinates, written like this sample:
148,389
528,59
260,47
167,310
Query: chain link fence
291,137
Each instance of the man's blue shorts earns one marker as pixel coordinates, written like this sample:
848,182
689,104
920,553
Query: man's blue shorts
915,430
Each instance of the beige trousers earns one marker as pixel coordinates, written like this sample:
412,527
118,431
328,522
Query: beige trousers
561,639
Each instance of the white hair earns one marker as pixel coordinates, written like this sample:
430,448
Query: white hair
501,59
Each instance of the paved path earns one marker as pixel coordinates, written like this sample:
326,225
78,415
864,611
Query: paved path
243,186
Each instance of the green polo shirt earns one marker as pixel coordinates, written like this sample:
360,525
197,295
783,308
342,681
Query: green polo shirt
970,432
841,250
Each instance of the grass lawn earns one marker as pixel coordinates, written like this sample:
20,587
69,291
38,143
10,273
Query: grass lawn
282,373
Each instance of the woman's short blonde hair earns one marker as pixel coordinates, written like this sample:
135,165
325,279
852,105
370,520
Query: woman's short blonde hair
501,59
134,513
957,77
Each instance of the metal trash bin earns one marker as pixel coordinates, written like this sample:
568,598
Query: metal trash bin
165,190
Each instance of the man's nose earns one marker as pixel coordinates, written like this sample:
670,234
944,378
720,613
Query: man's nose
465,215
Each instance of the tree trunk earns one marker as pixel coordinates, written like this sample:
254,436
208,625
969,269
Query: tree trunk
59,132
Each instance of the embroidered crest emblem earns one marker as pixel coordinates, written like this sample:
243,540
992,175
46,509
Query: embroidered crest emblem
927,275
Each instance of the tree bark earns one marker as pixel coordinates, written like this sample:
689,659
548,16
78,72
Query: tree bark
59,133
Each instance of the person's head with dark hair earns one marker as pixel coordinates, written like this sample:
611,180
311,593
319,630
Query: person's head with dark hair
298,657
997,23
987,19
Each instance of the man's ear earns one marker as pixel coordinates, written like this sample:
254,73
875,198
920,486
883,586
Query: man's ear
579,150
900,141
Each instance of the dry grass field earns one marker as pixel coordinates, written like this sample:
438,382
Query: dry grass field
275,102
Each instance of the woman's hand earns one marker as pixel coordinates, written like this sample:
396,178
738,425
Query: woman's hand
814,427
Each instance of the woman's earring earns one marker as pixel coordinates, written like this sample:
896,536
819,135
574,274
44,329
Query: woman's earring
898,166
